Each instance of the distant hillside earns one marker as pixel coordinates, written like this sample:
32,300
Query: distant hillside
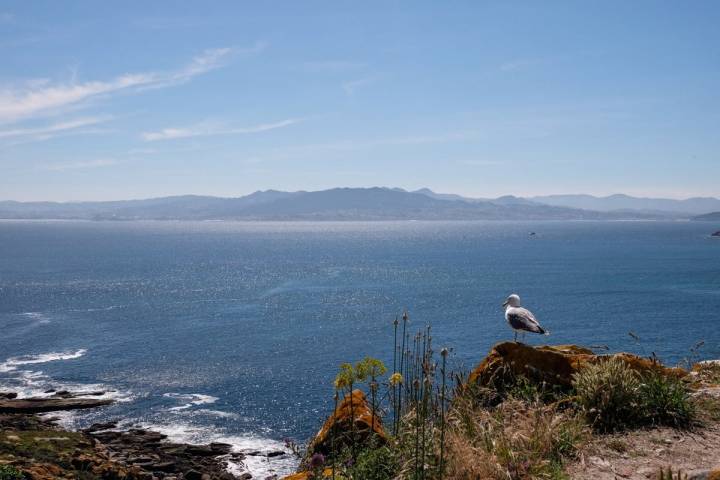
709,217
334,204
692,206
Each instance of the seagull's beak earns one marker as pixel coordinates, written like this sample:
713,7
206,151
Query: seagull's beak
505,304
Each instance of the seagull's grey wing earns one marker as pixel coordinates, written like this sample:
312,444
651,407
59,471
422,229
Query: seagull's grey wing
523,319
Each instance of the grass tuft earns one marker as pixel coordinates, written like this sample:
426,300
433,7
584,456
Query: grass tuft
608,394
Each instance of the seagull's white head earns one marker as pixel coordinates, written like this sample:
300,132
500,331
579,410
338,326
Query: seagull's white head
513,300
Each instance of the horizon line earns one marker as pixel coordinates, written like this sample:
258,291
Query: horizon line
488,198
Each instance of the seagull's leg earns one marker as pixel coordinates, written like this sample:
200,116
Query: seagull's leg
515,336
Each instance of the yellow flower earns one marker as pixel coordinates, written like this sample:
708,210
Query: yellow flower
396,378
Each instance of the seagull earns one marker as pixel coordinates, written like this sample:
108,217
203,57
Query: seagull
521,318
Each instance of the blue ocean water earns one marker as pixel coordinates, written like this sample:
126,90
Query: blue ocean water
224,330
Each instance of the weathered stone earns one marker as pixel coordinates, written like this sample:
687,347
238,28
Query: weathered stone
554,365
353,409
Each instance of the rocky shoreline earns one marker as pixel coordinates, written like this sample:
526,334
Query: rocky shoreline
36,446
38,449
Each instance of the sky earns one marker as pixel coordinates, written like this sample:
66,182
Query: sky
137,99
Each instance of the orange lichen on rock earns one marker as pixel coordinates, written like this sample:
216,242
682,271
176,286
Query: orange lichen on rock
340,422
327,473
554,365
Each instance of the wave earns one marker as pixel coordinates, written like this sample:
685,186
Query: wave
13,363
190,399
39,317
217,413
258,464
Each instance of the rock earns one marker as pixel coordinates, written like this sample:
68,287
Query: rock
168,466
95,427
715,234
193,475
8,395
277,453
245,476
554,365
40,405
200,450
327,473
340,424
221,448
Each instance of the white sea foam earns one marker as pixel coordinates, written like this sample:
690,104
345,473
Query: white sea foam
190,400
39,317
13,363
217,413
260,466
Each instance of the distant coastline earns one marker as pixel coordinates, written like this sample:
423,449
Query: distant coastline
367,204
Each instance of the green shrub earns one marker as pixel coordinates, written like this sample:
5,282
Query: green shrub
615,397
665,401
608,392
375,464
8,472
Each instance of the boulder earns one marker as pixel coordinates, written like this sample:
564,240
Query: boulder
554,365
338,427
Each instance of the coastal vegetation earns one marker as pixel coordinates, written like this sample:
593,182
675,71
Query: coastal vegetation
523,413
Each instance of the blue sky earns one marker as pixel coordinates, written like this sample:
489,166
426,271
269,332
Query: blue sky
116,100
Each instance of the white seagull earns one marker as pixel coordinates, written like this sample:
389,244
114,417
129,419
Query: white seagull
519,318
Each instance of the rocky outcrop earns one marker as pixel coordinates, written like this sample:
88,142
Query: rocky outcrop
41,450
351,422
338,428
554,365
51,404
148,451
716,234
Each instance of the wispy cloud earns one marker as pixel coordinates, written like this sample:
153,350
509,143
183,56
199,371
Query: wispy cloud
60,167
209,129
52,130
352,86
41,98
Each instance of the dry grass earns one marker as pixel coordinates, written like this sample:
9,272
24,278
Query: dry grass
706,374
515,440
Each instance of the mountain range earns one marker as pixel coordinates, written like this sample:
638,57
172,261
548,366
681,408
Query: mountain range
376,203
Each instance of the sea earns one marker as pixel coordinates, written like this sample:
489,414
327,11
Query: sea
234,331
